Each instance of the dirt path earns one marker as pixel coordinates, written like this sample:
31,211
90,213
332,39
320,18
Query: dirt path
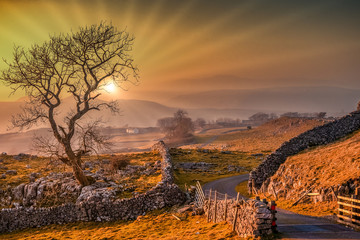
291,225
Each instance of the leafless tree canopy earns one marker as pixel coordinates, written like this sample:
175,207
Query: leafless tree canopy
178,127
77,64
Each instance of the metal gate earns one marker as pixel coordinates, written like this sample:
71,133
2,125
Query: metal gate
199,195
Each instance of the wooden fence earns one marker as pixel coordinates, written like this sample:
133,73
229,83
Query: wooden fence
349,210
222,207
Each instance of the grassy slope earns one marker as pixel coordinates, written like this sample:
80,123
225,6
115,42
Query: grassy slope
155,225
222,161
323,166
328,165
269,136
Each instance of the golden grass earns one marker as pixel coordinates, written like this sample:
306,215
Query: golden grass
222,161
319,209
243,189
155,225
312,209
328,165
269,136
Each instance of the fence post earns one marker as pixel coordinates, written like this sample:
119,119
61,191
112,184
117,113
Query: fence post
253,186
273,219
215,206
356,196
354,209
225,207
340,207
235,215
237,197
209,206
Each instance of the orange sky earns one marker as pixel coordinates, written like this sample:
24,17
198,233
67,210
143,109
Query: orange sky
184,46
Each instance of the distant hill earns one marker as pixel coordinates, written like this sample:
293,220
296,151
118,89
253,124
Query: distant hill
136,113
6,110
132,112
301,99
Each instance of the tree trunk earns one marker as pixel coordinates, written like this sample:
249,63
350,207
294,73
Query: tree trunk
79,174
75,161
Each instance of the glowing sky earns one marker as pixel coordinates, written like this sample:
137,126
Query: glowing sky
240,44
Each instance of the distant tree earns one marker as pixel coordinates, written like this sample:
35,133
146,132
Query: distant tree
273,116
199,123
77,64
178,127
290,114
260,116
321,114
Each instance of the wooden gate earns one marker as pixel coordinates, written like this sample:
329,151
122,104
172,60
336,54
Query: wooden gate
349,211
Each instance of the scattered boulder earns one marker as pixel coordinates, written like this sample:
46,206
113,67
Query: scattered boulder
2,167
203,166
186,208
226,152
33,176
11,172
105,161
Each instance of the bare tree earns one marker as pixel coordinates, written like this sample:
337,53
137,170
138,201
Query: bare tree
178,127
77,64
199,123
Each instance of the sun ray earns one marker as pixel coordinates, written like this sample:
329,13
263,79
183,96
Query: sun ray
161,31
190,56
196,35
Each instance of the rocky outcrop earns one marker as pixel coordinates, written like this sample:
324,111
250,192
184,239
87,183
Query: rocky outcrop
321,135
59,186
202,166
94,203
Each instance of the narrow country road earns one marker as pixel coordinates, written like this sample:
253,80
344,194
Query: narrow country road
291,225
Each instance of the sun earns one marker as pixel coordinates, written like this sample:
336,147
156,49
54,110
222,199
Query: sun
110,88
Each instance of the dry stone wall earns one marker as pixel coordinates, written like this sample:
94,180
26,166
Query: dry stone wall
253,219
167,174
93,205
321,135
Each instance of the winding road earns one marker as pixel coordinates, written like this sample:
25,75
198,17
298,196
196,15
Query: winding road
290,225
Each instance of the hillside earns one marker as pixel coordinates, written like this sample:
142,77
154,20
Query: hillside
282,99
327,169
137,113
269,136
